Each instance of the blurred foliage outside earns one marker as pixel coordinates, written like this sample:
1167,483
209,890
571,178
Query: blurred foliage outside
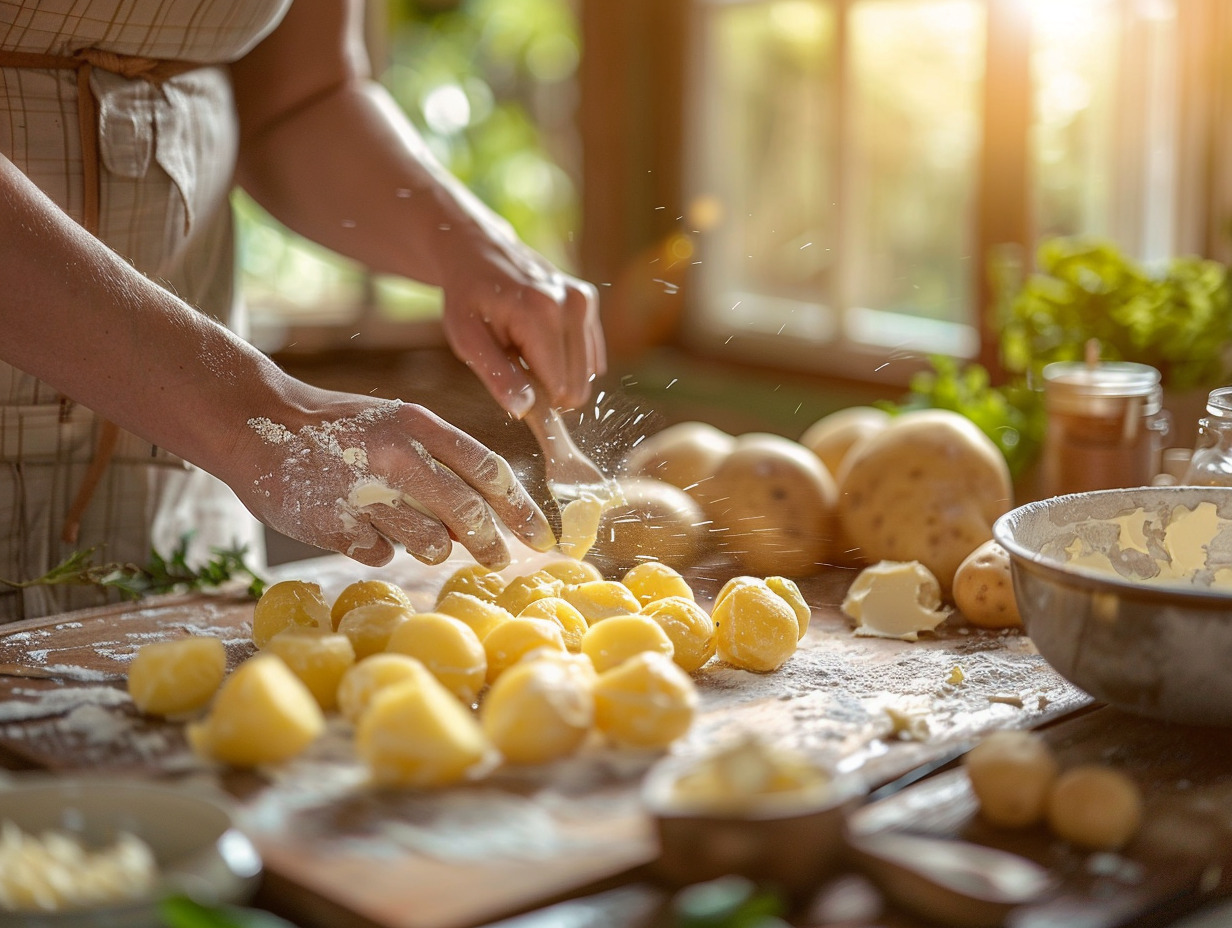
489,85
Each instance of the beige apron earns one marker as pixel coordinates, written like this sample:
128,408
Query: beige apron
165,150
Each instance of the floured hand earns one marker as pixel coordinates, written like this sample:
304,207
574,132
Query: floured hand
361,474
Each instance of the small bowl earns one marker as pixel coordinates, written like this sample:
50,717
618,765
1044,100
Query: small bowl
1160,649
788,842
196,846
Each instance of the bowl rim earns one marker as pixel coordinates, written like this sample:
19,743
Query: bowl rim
1093,578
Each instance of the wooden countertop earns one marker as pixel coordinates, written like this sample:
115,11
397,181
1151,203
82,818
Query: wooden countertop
340,854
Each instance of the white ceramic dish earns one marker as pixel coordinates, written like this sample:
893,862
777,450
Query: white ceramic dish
198,849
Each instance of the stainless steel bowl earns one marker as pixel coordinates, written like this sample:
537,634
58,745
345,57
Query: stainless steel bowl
1158,649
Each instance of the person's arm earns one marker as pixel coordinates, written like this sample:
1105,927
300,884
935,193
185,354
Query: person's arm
328,152
332,469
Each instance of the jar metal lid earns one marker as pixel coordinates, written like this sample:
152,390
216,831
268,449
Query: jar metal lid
1103,389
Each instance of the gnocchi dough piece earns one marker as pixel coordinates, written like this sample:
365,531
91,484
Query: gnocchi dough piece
363,592
615,640
417,734
481,615
651,580
448,647
512,641
319,658
571,572
1095,807
475,580
895,599
689,627
572,623
579,526
522,591
370,626
176,677
1011,773
602,599
263,714
539,711
755,629
787,590
984,588
372,674
289,602
645,702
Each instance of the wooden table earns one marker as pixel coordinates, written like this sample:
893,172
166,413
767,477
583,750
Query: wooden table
339,854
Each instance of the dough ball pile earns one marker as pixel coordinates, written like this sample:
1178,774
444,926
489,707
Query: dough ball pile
1018,783
526,669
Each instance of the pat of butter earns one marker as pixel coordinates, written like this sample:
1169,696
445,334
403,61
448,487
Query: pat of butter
375,493
895,599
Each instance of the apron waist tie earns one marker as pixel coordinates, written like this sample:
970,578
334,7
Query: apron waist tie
155,71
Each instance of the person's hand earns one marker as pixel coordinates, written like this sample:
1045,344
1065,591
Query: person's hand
505,302
354,475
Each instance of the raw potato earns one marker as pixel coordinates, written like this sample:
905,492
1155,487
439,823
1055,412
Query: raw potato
772,505
653,580
1011,774
926,488
176,677
289,602
984,588
366,678
539,711
417,734
613,641
689,627
262,714
1095,807
755,629
832,437
448,647
646,702
363,592
370,626
657,520
686,455
319,658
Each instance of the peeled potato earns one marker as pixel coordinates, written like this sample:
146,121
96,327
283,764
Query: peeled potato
832,436
615,640
1095,807
689,627
657,520
539,711
175,677
773,506
755,628
1011,774
653,580
645,702
984,588
363,592
318,657
369,626
367,677
448,647
685,455
289,602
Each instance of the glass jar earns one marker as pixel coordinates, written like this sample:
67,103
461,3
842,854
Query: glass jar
1106,425
1211,463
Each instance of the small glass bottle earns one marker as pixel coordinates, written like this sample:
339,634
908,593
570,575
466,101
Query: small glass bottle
1105,425
1211,463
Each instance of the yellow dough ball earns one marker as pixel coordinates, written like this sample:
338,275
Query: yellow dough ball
571,572
262,714
448,648
480,614
417,734
474,580
522,591
602,599
689,627
734,584
319,658
787,590
645,702
539,711
651,580
615,640
572,623
509,643
289,602
176,677
370,626
1095,807
755,629
363,592
1011,773
367,677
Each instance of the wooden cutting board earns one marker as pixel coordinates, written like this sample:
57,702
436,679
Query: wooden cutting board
339,853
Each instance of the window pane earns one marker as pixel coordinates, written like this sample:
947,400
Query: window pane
917,72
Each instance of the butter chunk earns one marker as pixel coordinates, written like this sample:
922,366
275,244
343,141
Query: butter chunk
895,599
176,677
262,714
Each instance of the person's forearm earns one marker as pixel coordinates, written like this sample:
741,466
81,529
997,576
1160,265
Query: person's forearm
377,192
81,319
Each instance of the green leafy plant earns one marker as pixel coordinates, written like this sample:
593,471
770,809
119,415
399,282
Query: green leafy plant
161,574
183,912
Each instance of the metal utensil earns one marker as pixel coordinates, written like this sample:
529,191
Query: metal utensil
570,474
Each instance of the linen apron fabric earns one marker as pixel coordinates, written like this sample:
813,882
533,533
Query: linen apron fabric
167,155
